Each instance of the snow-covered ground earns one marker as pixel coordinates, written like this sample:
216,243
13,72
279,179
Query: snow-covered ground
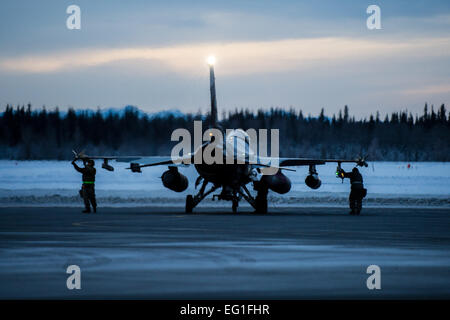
31,183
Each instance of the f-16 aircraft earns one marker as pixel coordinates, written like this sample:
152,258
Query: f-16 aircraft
231,179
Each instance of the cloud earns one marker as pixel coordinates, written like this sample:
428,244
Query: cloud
235,58
434,89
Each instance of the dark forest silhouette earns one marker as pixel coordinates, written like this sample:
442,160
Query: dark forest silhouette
42,134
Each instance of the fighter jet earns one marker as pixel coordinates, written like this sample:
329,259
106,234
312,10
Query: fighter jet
229,178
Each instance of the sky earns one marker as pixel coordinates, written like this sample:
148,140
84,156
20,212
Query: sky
152,54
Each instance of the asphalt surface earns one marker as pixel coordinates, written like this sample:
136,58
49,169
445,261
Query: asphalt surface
162,253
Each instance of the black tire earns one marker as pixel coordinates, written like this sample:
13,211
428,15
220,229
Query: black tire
234,206
261,205
189,203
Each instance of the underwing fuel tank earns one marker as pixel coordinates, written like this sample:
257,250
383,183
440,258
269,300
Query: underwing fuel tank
313,181
278,182
174,180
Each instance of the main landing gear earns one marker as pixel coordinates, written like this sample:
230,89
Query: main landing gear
193,201
259,203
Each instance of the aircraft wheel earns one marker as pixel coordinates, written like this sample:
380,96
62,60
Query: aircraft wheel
189,203
234,206
261,205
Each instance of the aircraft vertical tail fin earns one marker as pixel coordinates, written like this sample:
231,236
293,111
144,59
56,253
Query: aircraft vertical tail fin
212,87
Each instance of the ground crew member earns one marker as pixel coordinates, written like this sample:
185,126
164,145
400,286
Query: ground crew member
357,192
87,191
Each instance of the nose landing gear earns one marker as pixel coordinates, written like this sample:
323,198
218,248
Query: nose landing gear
229,194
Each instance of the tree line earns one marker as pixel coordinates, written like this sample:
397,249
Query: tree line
49,134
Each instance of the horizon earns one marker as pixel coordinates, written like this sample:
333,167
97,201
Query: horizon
178,113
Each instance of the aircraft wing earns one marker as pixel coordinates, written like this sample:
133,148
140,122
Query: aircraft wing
135,161
160,161
138,162
289,162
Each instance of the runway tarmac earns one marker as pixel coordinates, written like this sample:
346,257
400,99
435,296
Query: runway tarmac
163,253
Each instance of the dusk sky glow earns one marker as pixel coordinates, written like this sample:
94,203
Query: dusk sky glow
152,54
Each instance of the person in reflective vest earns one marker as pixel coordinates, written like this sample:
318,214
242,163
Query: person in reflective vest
357,193
87,191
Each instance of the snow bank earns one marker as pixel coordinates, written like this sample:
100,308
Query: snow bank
25,183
